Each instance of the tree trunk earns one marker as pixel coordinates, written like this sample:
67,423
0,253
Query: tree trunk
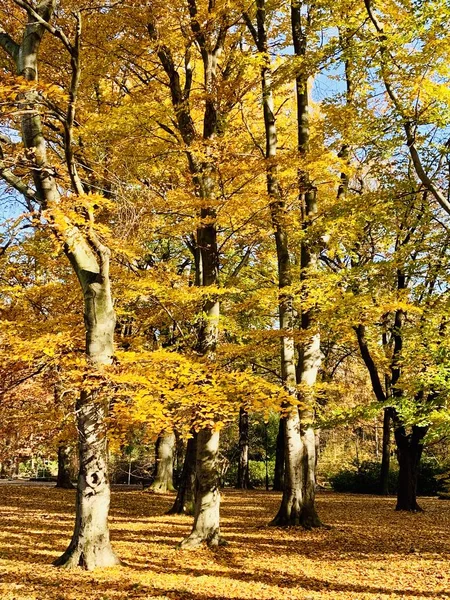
299,475
164,452
409,452
63,480
309,352
243,480
203,168
184,502
207,497
298,502
180,449
386,453
90,546
278,482
289,512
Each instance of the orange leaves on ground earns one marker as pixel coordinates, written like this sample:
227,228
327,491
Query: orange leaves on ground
370,553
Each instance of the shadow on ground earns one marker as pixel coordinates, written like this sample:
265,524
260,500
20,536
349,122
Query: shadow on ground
370,552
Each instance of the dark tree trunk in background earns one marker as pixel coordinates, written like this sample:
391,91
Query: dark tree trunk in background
164,454
386,453
180,448
243,480
409,452
184,502
63,480
278,482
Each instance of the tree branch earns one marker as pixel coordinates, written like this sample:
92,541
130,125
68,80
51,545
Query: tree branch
70,117
41,15
407,126
360,331
9,45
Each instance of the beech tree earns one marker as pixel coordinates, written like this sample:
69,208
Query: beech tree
90,546
164,456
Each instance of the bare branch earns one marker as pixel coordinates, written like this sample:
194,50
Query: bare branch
40,15
70,117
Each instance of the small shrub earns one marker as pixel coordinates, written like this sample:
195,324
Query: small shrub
366,479
362,480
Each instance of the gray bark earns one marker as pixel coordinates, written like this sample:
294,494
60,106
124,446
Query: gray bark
203,170
309,358
164,451
297,506
90,545
206,526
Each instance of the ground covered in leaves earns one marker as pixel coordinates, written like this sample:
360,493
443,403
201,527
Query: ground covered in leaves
370,552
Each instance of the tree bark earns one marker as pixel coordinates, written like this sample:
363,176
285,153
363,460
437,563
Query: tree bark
243,477
164,454
385,453
206,526
184,502
309,352
63,479
409,452
278,482
90,546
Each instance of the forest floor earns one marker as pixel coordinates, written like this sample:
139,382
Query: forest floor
370,551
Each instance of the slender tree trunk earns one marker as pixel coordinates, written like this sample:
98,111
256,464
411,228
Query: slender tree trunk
184,502
63,480
409,452
298,502
278,482
203,169
243,480
164,453
180,449
299,442
385,453
207,498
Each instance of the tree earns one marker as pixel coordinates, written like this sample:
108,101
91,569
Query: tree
89,257
164,455
243,480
